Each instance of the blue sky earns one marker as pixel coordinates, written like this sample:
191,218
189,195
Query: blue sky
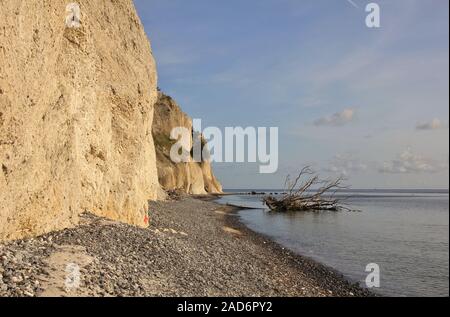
371,104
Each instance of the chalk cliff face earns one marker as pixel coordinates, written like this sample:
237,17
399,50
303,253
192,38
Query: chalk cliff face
192,177
76,108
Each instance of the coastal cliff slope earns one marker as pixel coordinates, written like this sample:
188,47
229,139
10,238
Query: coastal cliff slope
192,177
76,111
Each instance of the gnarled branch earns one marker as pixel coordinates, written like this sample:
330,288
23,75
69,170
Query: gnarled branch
308,193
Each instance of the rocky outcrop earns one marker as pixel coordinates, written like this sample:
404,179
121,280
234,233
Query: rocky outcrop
192,177
76,107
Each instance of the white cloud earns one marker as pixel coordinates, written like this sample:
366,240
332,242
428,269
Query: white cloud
337,119
434,124
410,163
345,165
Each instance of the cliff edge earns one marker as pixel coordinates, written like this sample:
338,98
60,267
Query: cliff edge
192,177
76,110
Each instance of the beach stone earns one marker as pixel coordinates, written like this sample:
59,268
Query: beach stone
3,287
133,261
16,279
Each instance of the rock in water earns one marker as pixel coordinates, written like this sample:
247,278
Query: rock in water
76,111
192,177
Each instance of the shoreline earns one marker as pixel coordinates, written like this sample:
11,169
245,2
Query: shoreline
194,247
297,258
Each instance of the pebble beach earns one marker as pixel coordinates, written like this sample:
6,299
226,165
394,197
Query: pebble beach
194,247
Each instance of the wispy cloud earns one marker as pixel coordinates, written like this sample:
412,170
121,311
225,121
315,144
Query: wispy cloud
411,163
171,58
345,164
338,119
434,124
309,61
353,3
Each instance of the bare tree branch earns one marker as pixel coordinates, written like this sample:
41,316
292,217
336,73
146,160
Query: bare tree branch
308,193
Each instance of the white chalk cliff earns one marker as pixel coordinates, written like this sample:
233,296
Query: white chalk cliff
192,177
76,110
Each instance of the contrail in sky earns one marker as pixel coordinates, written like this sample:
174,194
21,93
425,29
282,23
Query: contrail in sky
353,3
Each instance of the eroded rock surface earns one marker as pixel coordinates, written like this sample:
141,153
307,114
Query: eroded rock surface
192,177
76,110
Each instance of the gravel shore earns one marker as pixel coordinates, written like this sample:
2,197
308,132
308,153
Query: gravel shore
194,247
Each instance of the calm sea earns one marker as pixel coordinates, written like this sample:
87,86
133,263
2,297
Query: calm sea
405,233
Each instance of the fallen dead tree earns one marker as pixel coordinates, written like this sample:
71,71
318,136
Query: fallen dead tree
300,194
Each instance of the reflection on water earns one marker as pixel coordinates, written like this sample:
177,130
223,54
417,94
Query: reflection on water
406,234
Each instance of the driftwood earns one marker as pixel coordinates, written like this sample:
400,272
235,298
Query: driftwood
301,196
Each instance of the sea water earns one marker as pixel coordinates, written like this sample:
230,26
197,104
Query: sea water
405,233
